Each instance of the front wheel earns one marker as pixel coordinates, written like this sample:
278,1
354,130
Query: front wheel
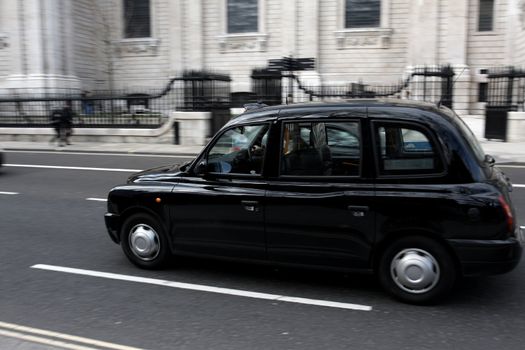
144,242
417,270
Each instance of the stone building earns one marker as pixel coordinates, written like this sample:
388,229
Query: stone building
112,44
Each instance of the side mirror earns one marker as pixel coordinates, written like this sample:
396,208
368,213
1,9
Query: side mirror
201,168
489,160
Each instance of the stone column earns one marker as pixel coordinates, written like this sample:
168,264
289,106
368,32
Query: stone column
423,33
193,28
457,40
514,27
32,26
57,35
175,38
44,46
309,26
10,42
289,27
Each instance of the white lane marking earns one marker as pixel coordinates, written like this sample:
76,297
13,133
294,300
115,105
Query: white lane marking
71,167
9,193
37,335
44,341
510,166
204,288
518,185
105,154
97,199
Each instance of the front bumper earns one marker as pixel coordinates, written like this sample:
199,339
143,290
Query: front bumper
487,257
113,226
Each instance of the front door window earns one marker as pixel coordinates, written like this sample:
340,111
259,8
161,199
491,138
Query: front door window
239,150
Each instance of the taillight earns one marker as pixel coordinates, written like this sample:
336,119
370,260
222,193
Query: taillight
508,213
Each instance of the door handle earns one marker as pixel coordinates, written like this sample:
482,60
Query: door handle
251,206
358,210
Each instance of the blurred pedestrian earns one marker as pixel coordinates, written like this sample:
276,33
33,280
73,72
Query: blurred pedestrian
87,104
62,122
56,117
66,124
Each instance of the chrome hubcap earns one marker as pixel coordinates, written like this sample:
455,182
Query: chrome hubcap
144,242
415,271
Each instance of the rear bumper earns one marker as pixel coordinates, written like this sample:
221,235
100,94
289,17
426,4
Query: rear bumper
113,226
487,257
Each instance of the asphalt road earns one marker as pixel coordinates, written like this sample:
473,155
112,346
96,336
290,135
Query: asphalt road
49,221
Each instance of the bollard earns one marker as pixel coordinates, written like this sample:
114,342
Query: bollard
176,139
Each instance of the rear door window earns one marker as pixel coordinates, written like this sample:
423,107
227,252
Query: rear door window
331,148
406,150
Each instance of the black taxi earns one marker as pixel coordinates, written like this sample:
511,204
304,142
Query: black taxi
402,189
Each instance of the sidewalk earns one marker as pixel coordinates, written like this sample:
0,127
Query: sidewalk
503,152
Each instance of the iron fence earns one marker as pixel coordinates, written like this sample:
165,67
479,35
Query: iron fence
431,84
209,91
505,92
506,88
124,108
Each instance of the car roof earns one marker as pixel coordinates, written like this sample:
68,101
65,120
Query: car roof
265,113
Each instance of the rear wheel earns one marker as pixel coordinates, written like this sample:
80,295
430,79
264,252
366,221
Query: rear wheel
417,270
144,242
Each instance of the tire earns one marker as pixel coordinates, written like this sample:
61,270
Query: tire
144,242
417,270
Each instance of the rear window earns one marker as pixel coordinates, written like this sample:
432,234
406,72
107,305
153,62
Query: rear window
470,138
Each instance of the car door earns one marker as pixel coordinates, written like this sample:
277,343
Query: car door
318,209
220,211
414,191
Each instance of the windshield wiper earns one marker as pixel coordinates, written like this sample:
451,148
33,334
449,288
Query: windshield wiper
185,165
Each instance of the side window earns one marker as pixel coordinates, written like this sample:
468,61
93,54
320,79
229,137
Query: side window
486,16
362,13
406,150
242,16
137,21
239,150
321,149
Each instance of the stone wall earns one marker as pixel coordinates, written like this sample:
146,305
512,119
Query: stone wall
80,44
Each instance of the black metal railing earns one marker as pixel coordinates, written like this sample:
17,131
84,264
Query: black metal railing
432,84
124,108
505,93
208,91
506,88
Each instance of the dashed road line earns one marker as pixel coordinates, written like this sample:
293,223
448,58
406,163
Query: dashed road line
97,199
9,193
62,340
518,185
71,168
204,288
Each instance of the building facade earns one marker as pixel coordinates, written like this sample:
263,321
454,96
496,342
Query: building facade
112,44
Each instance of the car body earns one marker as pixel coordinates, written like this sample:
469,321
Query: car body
399,188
